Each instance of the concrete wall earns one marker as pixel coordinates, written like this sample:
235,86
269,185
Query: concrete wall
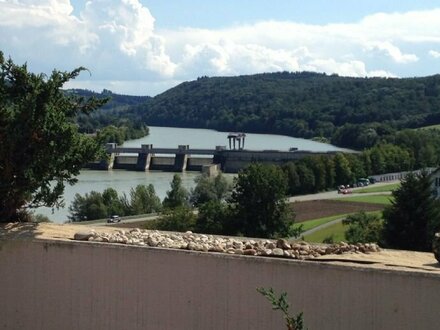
132,160
199,161
71,285
156,160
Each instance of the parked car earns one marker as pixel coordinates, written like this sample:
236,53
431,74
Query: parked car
372,180
114,219
362,182
344,189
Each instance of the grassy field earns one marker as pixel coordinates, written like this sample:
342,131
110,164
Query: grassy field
337,231
430,127
310,224
373,199
384,188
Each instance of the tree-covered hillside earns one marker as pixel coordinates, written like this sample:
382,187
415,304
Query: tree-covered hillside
350,112
115,100
115,112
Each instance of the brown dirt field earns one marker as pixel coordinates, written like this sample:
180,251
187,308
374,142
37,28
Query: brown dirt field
325,208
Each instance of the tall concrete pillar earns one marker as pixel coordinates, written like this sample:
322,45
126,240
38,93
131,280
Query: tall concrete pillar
181,158
144,158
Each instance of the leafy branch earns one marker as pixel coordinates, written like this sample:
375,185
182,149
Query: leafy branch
280,303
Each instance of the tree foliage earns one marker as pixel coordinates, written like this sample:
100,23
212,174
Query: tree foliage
114,134
259,202
214,217
414,216
363,228
143,199
280,303
178,196
41,149
181,218
210,188
114,113
96,205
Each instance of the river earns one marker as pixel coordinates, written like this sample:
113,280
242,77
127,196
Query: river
168,137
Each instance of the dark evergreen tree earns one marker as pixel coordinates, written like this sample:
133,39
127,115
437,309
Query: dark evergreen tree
414,216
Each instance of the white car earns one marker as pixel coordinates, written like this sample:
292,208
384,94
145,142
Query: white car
114,219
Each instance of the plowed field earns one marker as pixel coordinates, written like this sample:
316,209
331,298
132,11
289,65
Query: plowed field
324,208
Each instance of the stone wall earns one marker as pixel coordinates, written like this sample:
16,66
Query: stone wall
49,284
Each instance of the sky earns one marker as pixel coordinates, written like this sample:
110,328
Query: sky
144,47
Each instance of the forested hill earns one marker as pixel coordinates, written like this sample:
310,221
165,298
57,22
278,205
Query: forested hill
115,112
116,100
352,112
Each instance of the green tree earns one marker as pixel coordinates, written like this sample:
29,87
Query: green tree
343,173
414,216
293,182
210,189
41,149
180,218
213,218
259,202
113,202
88,207
319,172
111,134
178,196
363,228
330,171
143,199
306,178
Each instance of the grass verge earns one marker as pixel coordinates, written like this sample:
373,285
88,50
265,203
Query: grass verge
310,224
336,231
384,188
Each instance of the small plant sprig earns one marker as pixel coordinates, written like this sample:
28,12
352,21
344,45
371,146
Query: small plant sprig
280,303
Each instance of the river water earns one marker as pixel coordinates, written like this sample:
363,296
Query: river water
168,137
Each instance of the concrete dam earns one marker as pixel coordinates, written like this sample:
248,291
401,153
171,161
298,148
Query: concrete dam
184,158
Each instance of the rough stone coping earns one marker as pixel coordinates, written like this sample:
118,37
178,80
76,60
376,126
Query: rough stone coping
385,259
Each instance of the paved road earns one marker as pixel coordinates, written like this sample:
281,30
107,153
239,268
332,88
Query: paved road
334,194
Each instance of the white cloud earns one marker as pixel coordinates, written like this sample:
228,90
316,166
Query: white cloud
394,52
381,73
112,38
434,53
118,42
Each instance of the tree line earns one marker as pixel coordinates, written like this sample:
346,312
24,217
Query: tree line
411,150
120,134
